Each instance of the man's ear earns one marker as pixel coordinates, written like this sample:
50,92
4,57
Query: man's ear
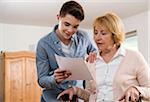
58,16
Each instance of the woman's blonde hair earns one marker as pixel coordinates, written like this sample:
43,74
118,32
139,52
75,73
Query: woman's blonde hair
114,24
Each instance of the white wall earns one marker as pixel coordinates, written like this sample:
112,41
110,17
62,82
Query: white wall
149,32
1,37
140,23
20,37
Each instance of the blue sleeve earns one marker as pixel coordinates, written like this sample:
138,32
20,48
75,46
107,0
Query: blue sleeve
44,71
90,46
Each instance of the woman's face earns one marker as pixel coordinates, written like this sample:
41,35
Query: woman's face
103,38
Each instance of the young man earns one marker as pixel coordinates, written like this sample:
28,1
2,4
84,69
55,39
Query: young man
64,40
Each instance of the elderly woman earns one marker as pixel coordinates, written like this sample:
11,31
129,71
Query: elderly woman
122,74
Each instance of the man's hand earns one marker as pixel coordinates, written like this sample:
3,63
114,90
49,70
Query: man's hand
131,95
61,74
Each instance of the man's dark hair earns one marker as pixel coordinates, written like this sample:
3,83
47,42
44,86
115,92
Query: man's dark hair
73,8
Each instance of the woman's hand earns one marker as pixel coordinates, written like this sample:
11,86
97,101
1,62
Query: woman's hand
91,57
131,95
61,74
70,92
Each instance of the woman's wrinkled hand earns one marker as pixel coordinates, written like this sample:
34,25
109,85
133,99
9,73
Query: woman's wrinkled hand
131,95
91,57
70,92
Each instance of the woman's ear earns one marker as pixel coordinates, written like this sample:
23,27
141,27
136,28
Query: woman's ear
114,38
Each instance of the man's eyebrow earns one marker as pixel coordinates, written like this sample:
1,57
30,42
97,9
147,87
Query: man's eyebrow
76,25
72,25
67,23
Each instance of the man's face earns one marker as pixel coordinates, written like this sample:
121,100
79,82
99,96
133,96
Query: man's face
68,25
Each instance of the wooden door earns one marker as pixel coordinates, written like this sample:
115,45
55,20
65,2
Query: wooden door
32,89
14,80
